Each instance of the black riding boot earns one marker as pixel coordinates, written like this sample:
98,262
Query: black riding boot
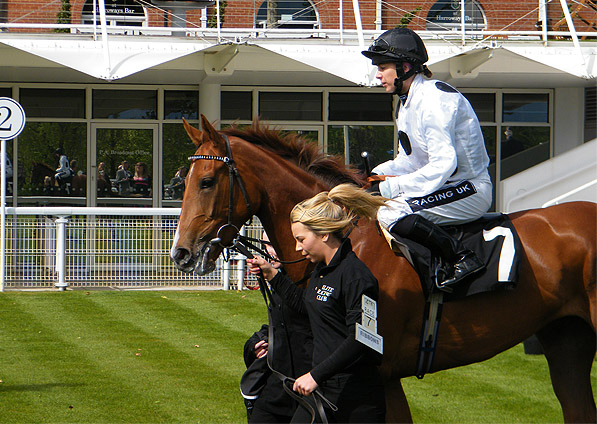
438,240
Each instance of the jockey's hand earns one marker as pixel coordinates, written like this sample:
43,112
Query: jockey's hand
373,181
261,348
305,385
373,188
258,264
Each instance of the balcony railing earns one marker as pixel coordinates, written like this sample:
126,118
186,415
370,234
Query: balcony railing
335,21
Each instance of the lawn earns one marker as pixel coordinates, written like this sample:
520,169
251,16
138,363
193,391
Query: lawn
176,357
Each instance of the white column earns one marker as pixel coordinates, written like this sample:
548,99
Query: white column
209,101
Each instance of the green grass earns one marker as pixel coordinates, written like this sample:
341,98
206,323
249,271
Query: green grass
176,357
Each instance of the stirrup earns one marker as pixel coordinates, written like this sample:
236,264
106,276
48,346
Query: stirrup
475,266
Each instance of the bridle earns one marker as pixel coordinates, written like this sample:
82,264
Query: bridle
233,175
238,241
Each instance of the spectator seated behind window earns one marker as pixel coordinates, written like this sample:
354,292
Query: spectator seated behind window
141,180
175,190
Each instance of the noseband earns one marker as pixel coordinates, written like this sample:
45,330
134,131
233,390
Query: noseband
233,174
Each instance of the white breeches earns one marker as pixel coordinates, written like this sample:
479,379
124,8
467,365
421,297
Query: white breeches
441,211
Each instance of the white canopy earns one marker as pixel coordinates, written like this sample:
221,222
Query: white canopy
310,62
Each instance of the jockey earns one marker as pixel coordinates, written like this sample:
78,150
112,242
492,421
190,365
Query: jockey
63,172
440,175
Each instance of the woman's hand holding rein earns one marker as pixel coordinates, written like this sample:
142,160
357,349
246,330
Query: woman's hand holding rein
258,264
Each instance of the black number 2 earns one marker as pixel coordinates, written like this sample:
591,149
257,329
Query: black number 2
3,119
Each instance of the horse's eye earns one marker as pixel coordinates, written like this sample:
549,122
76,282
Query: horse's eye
206,183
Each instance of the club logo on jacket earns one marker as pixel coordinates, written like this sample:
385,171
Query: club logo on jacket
323,293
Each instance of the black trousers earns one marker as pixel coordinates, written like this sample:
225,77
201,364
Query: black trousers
360,398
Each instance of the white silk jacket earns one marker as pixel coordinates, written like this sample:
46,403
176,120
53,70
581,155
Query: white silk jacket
445,137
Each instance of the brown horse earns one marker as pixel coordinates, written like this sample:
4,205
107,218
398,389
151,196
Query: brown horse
555,297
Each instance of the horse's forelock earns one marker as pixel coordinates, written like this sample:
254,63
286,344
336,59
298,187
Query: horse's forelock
292,147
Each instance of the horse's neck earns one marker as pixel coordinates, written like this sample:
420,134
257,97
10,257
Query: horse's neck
274,212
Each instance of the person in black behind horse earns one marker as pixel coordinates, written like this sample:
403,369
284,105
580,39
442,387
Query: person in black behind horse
265,398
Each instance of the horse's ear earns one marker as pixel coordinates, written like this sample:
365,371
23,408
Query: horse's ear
209,132
195,134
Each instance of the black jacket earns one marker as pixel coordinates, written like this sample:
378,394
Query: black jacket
333,303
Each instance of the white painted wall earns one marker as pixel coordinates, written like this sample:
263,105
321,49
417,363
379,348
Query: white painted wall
567,177
569,117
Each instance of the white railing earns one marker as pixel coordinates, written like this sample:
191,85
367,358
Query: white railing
104,248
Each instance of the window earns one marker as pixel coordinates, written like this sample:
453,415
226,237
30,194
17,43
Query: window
237,105
288,14
124,104
37,160
520,107
378,141
52,103
290,106
445,15
483,105
121,12
5,92
360,107
176,149
181,104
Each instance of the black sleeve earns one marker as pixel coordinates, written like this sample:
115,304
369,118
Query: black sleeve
347,354
292,294
350,350
249,350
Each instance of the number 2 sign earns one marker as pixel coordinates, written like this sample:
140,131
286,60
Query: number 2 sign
12,118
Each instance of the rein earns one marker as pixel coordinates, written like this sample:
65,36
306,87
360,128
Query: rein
242,244
288,382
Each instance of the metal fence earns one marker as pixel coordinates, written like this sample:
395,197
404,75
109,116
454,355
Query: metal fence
104,248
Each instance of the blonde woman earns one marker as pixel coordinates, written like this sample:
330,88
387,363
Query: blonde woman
344,369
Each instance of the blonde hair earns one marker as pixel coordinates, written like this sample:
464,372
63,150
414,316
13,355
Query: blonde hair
332,212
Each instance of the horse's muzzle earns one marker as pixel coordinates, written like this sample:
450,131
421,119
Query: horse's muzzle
202,263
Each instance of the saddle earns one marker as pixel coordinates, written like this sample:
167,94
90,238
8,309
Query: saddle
495,241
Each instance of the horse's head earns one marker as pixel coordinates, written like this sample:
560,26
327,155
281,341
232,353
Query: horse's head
215,204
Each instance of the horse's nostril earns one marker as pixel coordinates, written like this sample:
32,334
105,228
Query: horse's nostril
180,254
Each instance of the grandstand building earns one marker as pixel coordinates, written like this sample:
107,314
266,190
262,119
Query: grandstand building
109,81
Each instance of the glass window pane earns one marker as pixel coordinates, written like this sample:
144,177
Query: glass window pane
360,107
52,103
237,105
378,141
523,147
37,160
177,147
290,106
127,155
5,92
483,104
287,14
525,107
125,104
181,104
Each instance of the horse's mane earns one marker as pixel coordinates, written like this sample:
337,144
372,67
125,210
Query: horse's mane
330,169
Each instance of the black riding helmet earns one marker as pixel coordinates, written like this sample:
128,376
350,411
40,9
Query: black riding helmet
397,45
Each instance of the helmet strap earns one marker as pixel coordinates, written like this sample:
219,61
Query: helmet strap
402,76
